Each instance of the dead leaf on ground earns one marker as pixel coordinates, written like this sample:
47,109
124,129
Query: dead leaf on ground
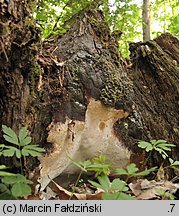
146,190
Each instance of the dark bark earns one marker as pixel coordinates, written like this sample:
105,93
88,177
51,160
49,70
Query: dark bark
54,87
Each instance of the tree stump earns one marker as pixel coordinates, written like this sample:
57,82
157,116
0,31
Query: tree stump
79,98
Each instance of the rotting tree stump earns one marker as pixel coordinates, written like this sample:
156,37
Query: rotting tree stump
79,98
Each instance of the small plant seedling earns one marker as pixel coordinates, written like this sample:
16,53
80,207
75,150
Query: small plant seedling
22,141
13,185
132,171
165,194
98,165
115,190
161,146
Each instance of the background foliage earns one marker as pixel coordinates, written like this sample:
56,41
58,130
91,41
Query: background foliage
56,16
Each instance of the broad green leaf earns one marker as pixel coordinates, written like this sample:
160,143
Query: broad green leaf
121,171
10,135
131,168
104,181
20,189
119,185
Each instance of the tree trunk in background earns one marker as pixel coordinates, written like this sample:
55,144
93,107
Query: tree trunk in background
146,20
79,98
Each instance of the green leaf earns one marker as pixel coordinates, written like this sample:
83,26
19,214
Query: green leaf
121,171
34,153
171,160
9,152
24,138
3,188
2,145
10,135
4,173
18,153
5,193
22,133
2,167
156,142
176,169
170,195
20,189
119,185
25,152
97,185
160,191
85,164
146,172
131,168
110,196
16,178
26,141
104,181
175,163
149,148
143,144
32,150
166,144
123,196
165,148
